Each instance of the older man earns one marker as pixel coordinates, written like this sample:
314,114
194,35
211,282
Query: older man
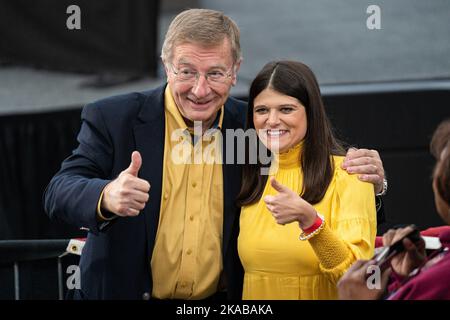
158,227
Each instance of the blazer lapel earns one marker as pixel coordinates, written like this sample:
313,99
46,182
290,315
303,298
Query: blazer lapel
231,185
149,137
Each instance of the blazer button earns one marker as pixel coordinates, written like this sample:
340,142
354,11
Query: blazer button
146,296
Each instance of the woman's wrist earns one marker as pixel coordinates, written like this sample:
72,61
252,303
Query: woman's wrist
307,219
314,229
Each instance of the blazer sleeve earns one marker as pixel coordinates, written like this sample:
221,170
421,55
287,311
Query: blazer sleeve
73,193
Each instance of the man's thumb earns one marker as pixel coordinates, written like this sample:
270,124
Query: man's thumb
135,165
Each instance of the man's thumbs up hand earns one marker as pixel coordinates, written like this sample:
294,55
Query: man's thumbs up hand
135,165
127,194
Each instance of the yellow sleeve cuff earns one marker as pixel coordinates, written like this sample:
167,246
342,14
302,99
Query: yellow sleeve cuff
99,209
333,253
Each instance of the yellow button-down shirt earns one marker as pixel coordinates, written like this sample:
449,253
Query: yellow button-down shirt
187,257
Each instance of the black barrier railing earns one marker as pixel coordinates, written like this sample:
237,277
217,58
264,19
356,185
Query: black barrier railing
15,252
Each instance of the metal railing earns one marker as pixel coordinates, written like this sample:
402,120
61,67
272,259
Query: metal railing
13,252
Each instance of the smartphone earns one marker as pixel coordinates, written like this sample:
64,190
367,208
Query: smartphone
383,258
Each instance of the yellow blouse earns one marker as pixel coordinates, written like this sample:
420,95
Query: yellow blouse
278,265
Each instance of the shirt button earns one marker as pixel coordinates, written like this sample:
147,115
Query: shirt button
166,196
191,218
145,296
189,251
194,184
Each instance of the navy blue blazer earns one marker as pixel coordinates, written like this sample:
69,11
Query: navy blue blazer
115,263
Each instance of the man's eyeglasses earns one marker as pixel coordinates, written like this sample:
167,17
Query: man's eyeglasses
186,74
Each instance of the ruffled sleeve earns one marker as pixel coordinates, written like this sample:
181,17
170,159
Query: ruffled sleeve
351,227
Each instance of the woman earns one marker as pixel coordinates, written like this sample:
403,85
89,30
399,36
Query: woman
414,275
306,188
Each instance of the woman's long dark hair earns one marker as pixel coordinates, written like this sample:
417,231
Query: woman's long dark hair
295,79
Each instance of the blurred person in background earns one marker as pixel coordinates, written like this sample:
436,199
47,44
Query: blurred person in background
413,275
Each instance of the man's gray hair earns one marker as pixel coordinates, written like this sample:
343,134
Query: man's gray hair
201,26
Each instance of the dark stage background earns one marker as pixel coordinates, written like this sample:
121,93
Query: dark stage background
115,36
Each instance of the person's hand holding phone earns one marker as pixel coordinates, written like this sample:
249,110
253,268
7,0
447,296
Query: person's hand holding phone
412,257
354,286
